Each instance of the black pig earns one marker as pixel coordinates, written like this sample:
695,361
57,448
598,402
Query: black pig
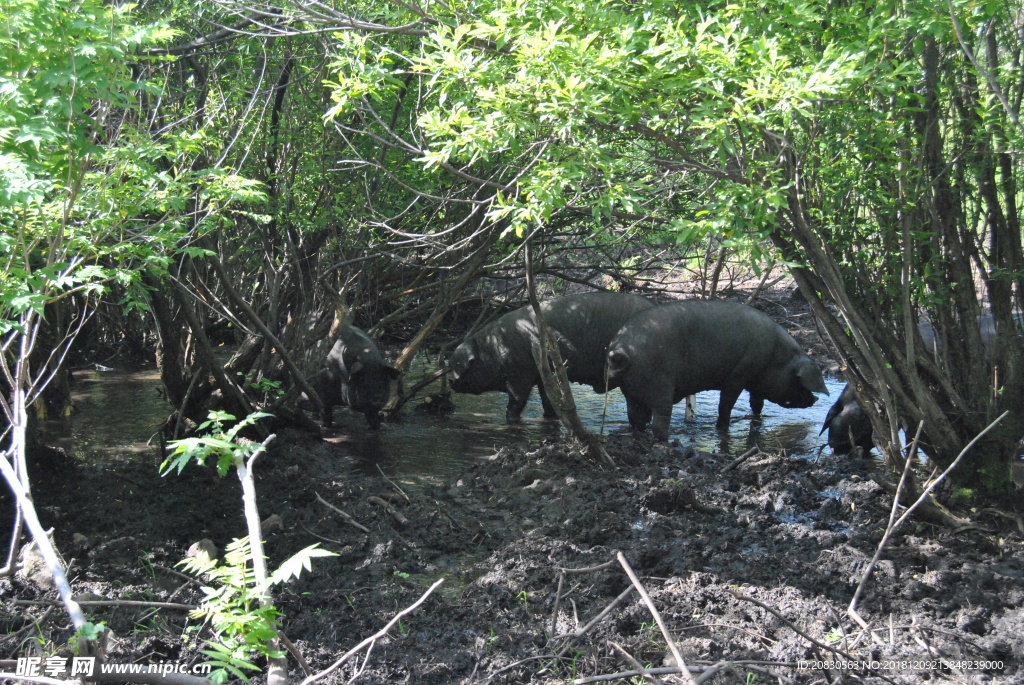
668,352
355,376
848,424
499,357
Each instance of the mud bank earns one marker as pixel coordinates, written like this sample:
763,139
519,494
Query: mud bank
752,563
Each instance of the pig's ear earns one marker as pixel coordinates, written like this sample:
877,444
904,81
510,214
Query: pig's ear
471,356
617,360
833,412
810,376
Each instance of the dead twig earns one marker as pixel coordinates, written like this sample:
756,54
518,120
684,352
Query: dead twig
894,523
1016,518
554,609
657,617
414,390
742,458
757,636
370,641
389,509
572,637
320,537
112,603
588,569
516,664
558,593
711,671
392,484
706,672
852,610
635,664
15,637
847,656
189,580
294,651
622,675
42,680
553,379
347,518
792,626
42,541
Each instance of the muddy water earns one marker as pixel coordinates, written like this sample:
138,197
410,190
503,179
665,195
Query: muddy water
420,445
118,412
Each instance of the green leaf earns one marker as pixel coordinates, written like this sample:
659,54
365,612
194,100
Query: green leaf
302,560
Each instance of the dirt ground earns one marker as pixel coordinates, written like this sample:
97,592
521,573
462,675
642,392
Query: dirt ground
756,569
750,564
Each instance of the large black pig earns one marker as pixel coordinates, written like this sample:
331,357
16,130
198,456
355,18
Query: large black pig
666,353
499,357
355,376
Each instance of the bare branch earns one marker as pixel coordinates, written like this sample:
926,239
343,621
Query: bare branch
370,641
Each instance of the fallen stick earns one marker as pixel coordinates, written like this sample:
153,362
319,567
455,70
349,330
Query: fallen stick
558,592
42,680
294,651
31,625
392,484
742,458
894,525
188,579
554,609
373,638
657,617
588,569
515,664
155,678
348,519
793,626
710,672
389,509
110,603
622,675
757,636
851,610
636,664
307,531
711,669
570,637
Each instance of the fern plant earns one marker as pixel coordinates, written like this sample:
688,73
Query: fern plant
242,625
238,603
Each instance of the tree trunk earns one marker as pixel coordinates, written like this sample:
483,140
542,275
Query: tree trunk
171,330
553,377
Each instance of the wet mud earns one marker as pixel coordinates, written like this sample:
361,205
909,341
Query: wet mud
748,562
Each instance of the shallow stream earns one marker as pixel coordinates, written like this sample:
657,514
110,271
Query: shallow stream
119,411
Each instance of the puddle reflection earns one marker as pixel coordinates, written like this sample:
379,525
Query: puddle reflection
119,411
